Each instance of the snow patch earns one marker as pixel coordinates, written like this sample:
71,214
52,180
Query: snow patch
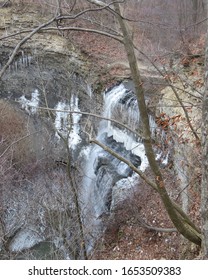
165,160
25,239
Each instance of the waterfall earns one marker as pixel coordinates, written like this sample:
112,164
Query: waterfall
121,104
103,171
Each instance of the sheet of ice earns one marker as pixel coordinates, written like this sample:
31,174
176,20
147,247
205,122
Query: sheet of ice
23,61
74,137
123,189
31,106
89,90
61,119
68,124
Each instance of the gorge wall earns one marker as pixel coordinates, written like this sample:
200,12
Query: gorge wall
40,140
37,206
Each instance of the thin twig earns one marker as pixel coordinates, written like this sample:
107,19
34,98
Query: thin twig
17,141
92,115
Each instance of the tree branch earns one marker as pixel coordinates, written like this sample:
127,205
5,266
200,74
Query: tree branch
93,115
25,39
135,169
17,141
169,84
152,228
103,33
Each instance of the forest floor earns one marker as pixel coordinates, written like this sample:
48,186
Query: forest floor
133,241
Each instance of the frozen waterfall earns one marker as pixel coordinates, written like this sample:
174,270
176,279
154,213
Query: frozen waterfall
68,124
103,172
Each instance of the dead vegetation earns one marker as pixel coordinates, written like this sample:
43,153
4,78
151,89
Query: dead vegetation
127,236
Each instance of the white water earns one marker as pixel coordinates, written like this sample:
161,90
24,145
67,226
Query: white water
74,137
128,114
120,105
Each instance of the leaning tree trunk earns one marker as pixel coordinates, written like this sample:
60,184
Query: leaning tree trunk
186,229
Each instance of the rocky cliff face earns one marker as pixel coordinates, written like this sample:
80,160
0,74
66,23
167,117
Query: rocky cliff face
35,189
188,84
38,208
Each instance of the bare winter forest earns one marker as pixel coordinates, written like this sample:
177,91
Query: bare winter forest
103,129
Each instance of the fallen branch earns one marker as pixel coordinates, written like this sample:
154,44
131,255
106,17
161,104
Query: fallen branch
152,228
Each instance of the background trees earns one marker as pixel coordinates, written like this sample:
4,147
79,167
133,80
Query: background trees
143,26
204,186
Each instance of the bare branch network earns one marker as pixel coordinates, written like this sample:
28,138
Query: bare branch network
181,221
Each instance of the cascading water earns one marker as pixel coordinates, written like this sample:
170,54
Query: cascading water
103,171
121,104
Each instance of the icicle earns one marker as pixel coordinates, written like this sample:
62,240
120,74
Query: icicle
74,137
68,127
61,119
16,66
29,60
89,90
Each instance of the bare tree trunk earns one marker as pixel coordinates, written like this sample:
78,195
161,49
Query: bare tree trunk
82,250
195,10
198,7
204,185
185,229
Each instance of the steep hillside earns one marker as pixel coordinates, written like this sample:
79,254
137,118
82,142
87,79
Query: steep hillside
44,141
